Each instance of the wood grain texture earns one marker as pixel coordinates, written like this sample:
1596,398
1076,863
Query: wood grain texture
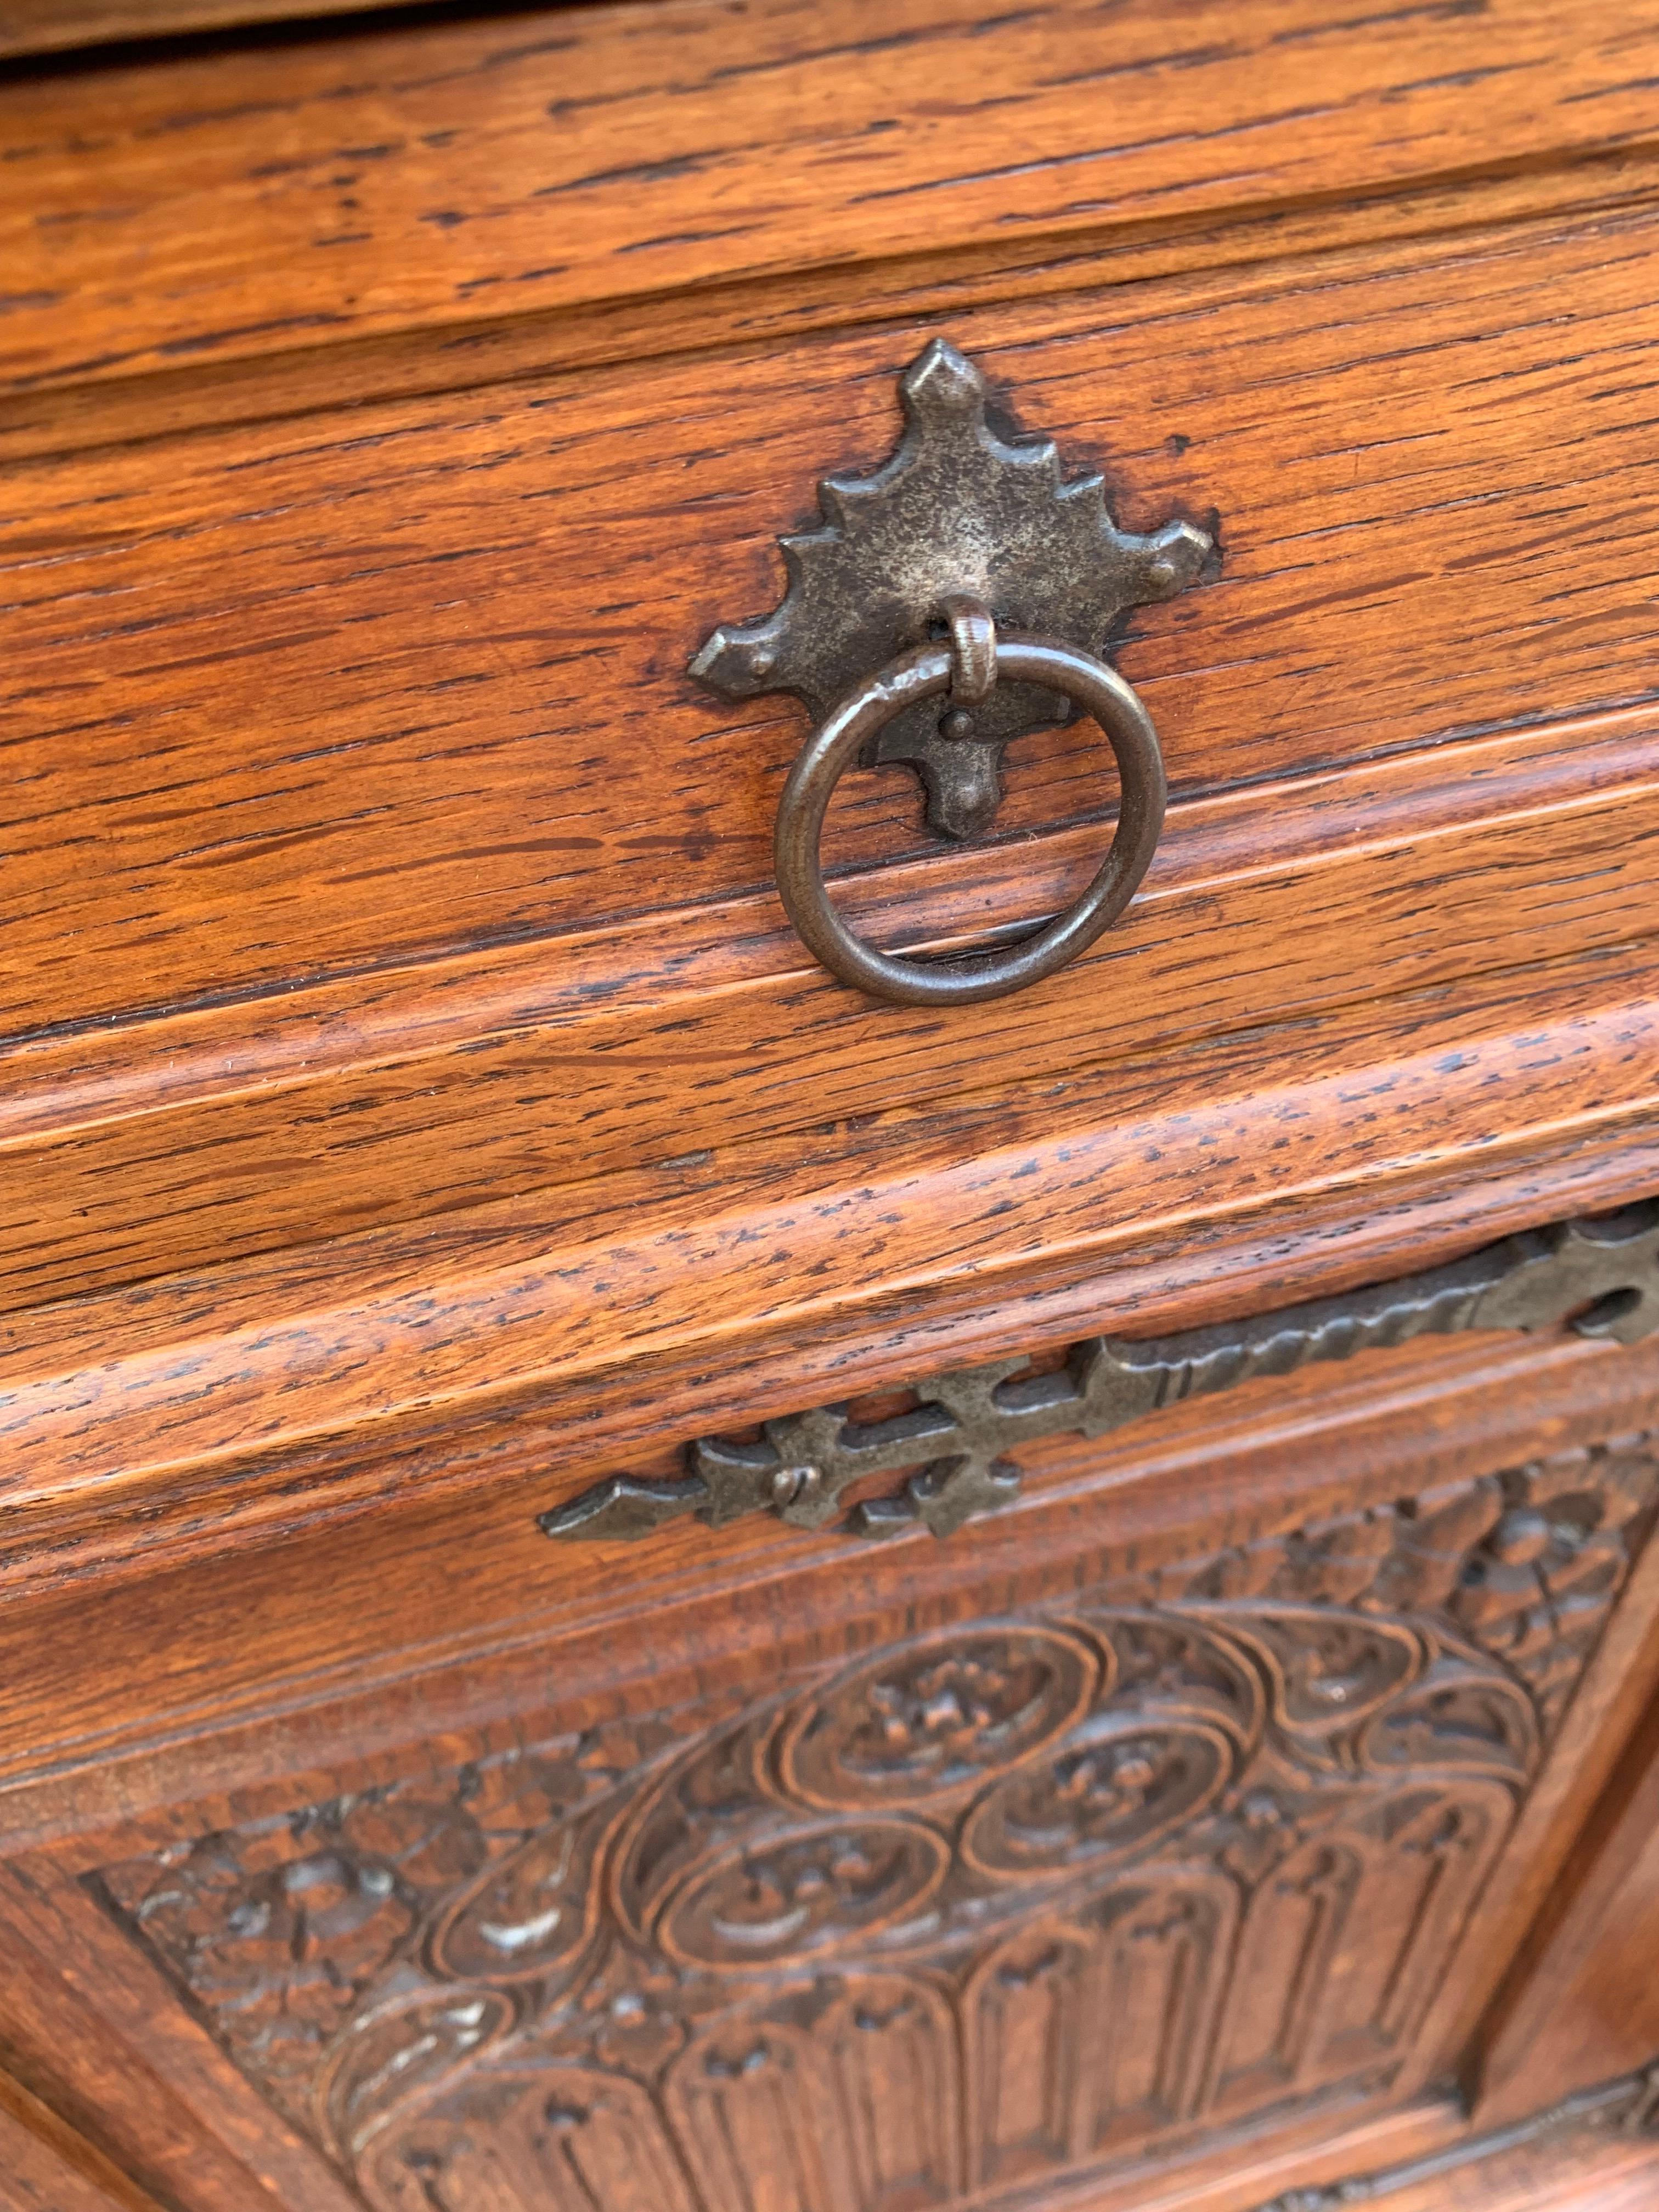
1579,2003
413,1109
412,176
243,671
43,2167
704,1290
919,287
1312,1519
1597,2162
64,2041
130,1151
1282,1493
380,1634
56,26
1575,2175
1235,2178
164,2099
1579,2169
1461,2031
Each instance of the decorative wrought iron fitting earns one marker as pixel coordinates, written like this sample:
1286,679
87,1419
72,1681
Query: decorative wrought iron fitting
961,597
1601,1277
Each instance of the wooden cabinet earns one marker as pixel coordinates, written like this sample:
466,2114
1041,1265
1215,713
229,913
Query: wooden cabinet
1180,1822
640,1581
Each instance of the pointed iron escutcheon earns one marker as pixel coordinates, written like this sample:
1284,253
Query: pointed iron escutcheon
958,512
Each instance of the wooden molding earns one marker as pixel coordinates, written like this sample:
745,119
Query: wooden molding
59,27
45,2166
427,172
916,288
336,1107
676,1299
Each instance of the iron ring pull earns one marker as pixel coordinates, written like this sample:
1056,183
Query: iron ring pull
968,668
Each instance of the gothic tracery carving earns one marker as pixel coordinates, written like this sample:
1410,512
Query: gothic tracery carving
1202,1839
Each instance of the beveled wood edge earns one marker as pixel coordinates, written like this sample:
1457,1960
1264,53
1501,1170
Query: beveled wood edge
1403,2159
1592,2143
1341,154
82,2178
919,290
1589,1903
1605,1710
334,1110
175,2106
1254,2161
61,1082
261,1405
1555,1067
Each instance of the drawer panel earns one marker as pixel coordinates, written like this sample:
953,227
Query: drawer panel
1197,1817
298,697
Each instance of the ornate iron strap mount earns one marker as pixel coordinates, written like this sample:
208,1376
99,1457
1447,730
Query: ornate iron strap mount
956,599
1599,1276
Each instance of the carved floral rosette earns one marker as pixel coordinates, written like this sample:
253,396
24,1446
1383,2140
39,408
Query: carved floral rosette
995,1900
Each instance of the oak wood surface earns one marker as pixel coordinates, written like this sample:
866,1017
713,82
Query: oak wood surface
1245,2176
1571,2176
1361,1441
104,2029
244,671
52,27
198,1405
413,175
378,1635
1579,2170
919,287
1304,1498
1464,2028
44,2169
1580,2003
131,1151
412,1106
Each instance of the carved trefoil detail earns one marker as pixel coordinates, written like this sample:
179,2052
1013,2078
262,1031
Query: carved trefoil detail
998,1901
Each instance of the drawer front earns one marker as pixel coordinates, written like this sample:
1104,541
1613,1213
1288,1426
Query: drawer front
1182,1810
380,687
374,856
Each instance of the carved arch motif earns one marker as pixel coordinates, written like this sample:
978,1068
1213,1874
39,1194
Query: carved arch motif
975,1908
1061,2068
560,2139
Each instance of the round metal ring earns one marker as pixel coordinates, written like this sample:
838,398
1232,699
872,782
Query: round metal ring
836,744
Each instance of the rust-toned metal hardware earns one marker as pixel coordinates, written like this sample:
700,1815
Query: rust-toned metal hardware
961,597
1599,1276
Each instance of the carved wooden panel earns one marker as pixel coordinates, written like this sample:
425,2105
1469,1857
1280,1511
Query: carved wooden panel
979,1905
